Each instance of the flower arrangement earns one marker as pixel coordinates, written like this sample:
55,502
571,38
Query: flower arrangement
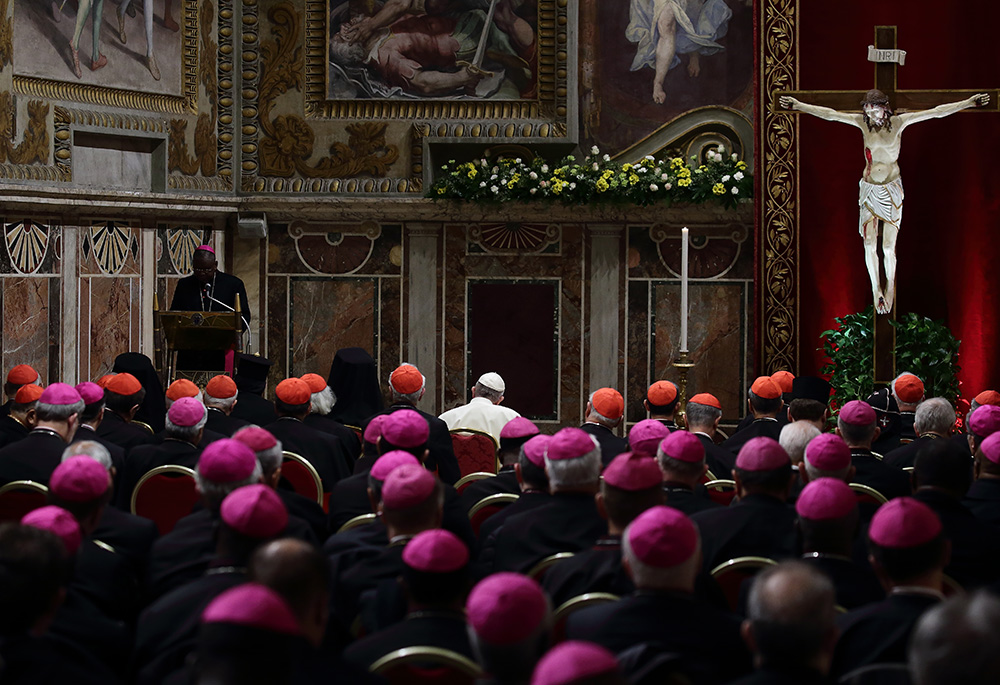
597,179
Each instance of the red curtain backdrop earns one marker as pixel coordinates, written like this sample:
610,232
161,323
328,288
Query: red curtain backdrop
949,242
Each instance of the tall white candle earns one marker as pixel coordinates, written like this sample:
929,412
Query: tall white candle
684,289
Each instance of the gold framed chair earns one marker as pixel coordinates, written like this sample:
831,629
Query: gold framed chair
538,570
19,497
475,450
172,495
302,475
731,574
482,510
574,604
143,424
424,664
866,493
361,520
464,481
721,491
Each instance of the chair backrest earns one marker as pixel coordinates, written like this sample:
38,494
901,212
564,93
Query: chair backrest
730,575
562,614
421,664
165,495
464,481
866,493
143,424
302,476
19,497
708,477
721,491
361,520
475,450
878,456
487,507
538,570
358,433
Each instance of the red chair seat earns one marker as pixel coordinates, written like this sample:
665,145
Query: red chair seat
475,451
165,496
17,502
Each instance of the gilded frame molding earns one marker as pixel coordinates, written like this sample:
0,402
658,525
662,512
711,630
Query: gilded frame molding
551,103
185,103
778,193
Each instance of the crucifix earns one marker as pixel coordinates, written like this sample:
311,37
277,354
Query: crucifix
880,201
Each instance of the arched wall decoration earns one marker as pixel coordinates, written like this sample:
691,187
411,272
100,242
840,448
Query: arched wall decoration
513,238
26,243
334,249
181,244
712,256
111,245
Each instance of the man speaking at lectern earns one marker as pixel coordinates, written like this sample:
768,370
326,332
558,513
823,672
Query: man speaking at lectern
208,289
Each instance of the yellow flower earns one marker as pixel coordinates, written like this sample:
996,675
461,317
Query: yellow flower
684,182
472,173
719,189
632,179
441,191
607,174
626,166
741,165
676,163
601,185
560,171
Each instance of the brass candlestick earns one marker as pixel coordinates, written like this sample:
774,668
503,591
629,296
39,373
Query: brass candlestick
683,364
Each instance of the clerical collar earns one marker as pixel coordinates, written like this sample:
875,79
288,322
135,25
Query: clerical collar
397,540
222,570
701,433
289,418
437,613
917,590
766,418
42,429
827,555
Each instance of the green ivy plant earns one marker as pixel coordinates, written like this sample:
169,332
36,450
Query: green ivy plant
923,347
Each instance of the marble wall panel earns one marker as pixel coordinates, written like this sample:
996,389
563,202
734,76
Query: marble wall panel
26,306
328,314
111,320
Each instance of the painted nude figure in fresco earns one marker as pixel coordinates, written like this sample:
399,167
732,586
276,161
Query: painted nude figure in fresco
664,29
881,191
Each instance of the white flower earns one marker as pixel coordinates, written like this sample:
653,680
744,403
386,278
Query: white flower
493,177
718,157
494,190
720,150
596,166
664,177
734,157
736,191
533,191
482,184
725,179
657,170
607,158
533,176
496,169
649,157
654,187
666,186
572,186
503,181
595,150
545,168
738,175
517,161
642,170
482,162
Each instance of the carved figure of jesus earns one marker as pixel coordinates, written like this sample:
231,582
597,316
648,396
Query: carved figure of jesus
880,199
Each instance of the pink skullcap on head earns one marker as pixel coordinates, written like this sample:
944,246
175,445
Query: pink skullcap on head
662,537
186,412
683,446
405,428
857,413
407,486
632,471
79,479
436,551
991,448
908,388
29,393
254,606
608,403
646,435
985,421
373,431
91,393
762,454
206,248
828,452
389,462
227,461
573,661
569,443
255,511
22,374
60,394
59,521
506,608
182,387
256,438
535,448
315,382
824,499
902,523
518,427
988,397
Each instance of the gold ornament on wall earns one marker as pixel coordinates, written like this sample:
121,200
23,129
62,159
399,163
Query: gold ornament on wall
6,36
205,142
287,142
34,147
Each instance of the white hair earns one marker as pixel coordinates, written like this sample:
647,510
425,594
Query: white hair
601,418
323,401
935,414
223,403
185,432
815,473
89,448
794,438
648,577
58,412
271,458
218,491
578,472
412,397
892,386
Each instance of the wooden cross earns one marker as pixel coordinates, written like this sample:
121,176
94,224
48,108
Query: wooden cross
850,100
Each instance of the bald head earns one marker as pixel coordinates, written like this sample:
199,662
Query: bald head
958,641
298,572
790,617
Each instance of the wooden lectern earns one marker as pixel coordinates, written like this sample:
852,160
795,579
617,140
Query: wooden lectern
196,331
